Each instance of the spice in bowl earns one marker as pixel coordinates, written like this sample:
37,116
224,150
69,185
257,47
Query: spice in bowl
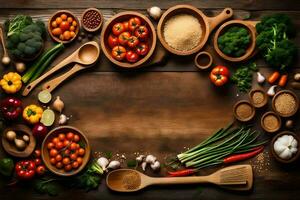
285,103
182,32
244,111
258,98
270,122
91,19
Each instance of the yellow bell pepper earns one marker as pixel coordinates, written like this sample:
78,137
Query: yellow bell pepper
11,82
32,114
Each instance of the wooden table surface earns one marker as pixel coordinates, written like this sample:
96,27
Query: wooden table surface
159,109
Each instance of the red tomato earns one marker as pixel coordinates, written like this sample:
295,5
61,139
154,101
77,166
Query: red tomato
134,23
50,145
141,32
81,151
67,152
142,49
66,143
66,161
64,25
37,161
219,75
70,136
58,158
75,165
55,140
68,167
132,41
53,152
112,41
76,138
126,25
52,161
25,169
118,28
59,165
118,52
79,160
59,145
123,38
40,170
73,156
37,153
61,137
73,146
132,56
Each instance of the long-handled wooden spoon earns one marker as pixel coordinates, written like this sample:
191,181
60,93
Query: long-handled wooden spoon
238,177
87,54
5,58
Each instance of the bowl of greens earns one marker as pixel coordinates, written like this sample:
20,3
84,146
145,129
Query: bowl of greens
235,40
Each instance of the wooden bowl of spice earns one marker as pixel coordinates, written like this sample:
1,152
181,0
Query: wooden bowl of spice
258,98
184,29
91,19
285,103
270,122
243,111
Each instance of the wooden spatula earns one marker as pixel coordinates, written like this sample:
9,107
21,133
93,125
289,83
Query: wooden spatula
238,177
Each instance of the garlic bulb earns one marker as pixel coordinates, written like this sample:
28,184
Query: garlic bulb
285,146
144,165
63,119
58,104
140,158
114,165
102,162
155,166
271,91
150,159
155,12
260,78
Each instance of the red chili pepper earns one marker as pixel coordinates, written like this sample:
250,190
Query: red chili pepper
243,156
184,172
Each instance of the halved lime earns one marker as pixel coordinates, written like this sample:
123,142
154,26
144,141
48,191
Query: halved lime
44,96
48,117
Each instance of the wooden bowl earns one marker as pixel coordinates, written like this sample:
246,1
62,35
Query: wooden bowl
247,118
207,25
11,149
250,26
263,103
266,128
120,17
296,100
100,24
202,55
57,14
45,152
296,156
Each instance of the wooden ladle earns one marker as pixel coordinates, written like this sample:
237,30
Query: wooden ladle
238,177
5,53
87,54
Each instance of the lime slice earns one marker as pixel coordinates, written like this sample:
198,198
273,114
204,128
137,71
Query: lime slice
44,96
48,117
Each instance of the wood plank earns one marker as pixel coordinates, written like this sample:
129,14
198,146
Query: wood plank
136,4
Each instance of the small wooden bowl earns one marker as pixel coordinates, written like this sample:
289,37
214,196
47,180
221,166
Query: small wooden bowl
120,17
263,124
94,29
262,104
296,100
207,25
296,156
238,117
11,149
45,152
250,26
201,55
57,14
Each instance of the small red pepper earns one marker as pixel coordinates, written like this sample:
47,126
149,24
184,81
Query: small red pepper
184,172
11,108
243,156
25,169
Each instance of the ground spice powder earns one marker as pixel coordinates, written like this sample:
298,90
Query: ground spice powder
258,98
271,122
244,110
285,103
131,181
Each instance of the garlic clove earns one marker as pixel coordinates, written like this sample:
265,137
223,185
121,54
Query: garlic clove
58,104
63,119
272,90
150,159
114,165
102,162
260,77
140,158
155,166
155,12
144,165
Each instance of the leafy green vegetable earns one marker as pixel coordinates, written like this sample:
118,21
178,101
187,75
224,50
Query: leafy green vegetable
108,154
25,37
47,186
273,40
6,166
243,77
131,163
234,42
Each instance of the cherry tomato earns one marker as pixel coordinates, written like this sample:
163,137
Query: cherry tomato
67,152
64,25
55,140
50,145
58,20
61,137
63,17
59,145
70,19
134,23
67,35
73,146
72,28
52,161
81,151
76,138
40,170
74,23
37,153
66,143
72,34
75,165
79,160
58,158
141,32
37,161
132,56
70,136
54,24
118,28
73,156
53,152
126,25
68,168
123,38
59,165
61,37
118,52
66,161
56,31
133,41
112,41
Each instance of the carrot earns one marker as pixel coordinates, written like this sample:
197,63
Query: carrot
243,156
273,77
184,172
283,80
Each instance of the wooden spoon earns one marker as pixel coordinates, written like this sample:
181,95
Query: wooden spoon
5,54
238,177
86,54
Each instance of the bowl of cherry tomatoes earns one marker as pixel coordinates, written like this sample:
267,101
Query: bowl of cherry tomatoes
128,39
65,151
63,26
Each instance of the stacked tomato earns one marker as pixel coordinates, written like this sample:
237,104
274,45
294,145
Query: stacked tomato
129,40
65,151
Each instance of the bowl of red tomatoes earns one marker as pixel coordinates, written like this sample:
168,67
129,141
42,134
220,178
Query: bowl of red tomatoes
128,39
65,151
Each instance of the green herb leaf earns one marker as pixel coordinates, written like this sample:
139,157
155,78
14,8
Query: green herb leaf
131,163
108,154
50,187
